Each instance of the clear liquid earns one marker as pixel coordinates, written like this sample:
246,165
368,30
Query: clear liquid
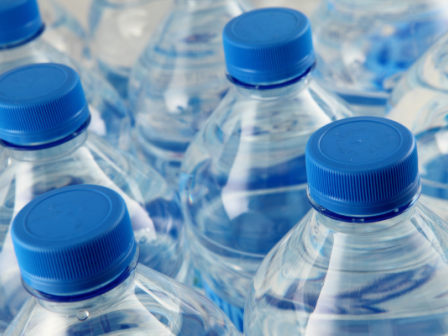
419,100
147,303
243,181
178,81
333,278
364,47
64,32
240,225
119,32
433,161
154,208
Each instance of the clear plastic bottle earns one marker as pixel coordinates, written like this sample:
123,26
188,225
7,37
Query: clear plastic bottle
21,43
364,46
64,32
46,146
119,31
179,80
79,259
369,259
305,6
243,180
420,101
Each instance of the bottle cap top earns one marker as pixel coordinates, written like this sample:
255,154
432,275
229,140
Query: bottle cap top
19,20
73,239
362,166
268,46
41,103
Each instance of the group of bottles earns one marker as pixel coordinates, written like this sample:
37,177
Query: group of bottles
221,148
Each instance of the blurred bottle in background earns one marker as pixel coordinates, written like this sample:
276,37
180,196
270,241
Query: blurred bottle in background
21,43
305,6
179,80
420,101
64,32
365,46
243,181
46,146
119,30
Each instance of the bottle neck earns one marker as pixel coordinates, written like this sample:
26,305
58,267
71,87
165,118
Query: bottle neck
82,304
24,42
369,227
365,220
274,91
31,154
82,309
23,51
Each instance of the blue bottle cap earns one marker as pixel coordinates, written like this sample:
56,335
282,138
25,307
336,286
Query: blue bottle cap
73,240
19,20
363,166
268,46
41,103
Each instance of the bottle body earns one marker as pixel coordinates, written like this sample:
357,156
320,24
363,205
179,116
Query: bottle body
364,47
154,207
120,30
419,101
110,116
178,81
146,303
328,277
64,32
304,6
243,182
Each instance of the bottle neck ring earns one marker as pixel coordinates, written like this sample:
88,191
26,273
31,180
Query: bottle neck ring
47,145
267,86
104,288
365,219
25,41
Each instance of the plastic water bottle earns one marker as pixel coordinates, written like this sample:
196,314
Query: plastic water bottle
369,259
305,6
179,80
63,31
21,28
46,146
365,46
119,31
79,260
420,101
243,181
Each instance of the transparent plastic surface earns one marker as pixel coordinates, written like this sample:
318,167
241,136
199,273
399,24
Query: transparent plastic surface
179,80
243,180
110,116
63,31
364,47
420,101
146,303
119,31
305,6
334,278
153,206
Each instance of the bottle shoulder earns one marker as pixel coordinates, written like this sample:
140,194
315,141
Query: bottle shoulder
264,123
392,268
92,161
189,38
151,303
418,97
